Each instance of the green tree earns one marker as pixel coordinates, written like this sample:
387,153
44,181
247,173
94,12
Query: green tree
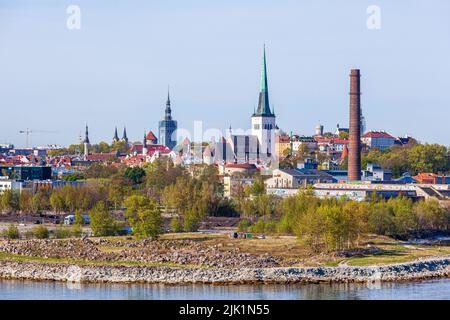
26,201
429,158
191,220
135,174
257,188
144,216
75,148
120,146
10,200
103,222
343,134
73,177
98,170
79,219
160,174
431,215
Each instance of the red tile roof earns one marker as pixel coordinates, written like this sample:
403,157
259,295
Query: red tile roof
332,140
377,134
101,156
151,149
151,136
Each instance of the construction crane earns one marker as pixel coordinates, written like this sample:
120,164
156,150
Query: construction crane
27,133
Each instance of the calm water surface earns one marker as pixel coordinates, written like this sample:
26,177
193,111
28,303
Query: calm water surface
30,290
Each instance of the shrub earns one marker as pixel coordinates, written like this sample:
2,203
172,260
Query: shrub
191,222
76,230
40,232
29,234
243,226
11,233
262,226
61,233
175,225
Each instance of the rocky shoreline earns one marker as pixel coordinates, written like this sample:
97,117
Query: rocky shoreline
418,270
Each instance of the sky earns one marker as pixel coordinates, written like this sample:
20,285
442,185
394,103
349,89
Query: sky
115,69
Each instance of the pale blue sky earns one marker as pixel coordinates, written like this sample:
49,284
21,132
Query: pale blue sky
116,69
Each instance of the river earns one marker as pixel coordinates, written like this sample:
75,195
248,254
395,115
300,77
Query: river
31,290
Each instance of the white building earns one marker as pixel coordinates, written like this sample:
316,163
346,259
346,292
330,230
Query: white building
10,184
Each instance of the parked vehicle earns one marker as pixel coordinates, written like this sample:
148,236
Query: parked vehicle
125,231
70,219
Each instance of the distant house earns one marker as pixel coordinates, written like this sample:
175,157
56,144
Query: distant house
102,157
297,178
283,144
378,139
432,178
233,185
332,144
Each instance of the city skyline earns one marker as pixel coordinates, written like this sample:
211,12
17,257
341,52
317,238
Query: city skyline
104,74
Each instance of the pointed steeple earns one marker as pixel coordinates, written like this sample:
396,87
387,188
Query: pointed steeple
263,103
168,111
124,136
144,142
116,135
264,71
168,96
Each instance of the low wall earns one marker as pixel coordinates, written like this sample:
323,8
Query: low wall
432,268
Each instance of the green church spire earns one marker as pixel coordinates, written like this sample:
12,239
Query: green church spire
263,104
264,72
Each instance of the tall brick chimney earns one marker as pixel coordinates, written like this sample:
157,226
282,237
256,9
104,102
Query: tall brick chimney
354,150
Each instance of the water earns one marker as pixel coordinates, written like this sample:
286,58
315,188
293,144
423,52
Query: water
30,290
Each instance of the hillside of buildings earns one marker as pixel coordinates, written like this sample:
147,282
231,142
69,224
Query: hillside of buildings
329,192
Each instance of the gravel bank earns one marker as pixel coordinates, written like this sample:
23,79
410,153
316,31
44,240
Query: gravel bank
423,269
180,252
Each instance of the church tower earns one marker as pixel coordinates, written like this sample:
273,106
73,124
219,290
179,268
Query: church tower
144,144
263,120
167,127
86,143
116,136
124,135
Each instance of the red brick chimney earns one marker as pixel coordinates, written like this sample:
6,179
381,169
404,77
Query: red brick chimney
354,150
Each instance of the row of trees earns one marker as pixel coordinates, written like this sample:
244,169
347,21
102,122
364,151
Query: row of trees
101,147
338,224
412,158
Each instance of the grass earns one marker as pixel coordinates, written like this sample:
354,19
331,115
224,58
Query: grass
286,247
398,254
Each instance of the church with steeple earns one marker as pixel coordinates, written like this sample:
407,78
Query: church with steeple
167,127
116,136
257,147
263,119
